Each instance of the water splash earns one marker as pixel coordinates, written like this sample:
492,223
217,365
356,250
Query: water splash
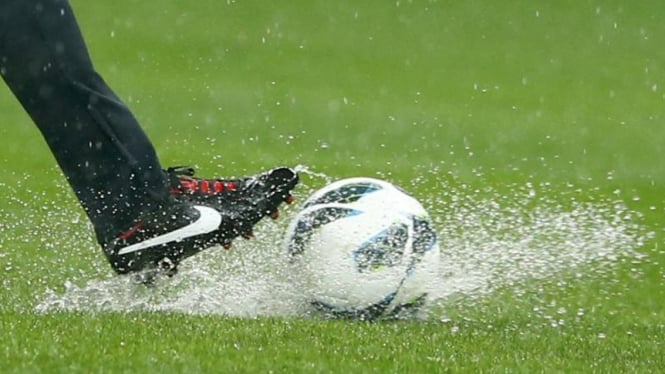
512,239
490,239
246,282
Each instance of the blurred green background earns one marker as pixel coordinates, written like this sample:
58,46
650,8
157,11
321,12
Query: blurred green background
571,90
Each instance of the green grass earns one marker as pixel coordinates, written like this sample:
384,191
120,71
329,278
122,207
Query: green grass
490,94
212,344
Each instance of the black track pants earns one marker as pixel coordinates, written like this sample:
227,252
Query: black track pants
105,155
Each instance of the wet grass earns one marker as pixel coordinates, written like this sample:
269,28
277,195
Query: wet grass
147,342
475,93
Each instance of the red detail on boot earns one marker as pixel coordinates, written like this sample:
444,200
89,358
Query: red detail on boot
188,185
129,233
205,186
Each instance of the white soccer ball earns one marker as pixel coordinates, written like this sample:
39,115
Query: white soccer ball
365,249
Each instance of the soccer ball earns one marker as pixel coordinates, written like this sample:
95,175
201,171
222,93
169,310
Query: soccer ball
365,249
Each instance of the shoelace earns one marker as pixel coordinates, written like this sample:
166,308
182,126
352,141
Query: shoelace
190,185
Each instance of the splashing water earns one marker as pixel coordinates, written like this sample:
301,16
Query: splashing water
488,243
489,239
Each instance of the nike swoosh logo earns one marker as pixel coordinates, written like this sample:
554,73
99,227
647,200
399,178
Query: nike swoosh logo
208,221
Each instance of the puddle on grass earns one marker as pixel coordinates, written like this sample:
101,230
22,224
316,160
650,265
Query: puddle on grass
490,239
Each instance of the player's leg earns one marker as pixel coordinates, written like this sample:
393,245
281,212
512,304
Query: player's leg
141,214
102,150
